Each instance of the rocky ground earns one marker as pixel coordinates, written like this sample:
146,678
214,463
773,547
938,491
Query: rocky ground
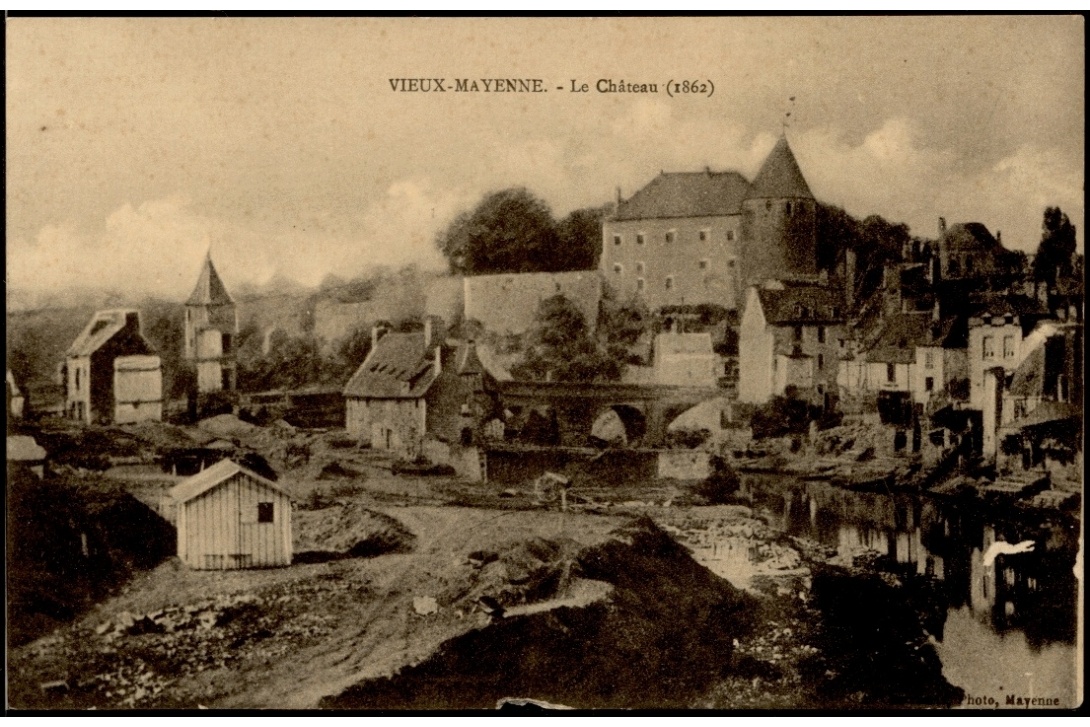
435,593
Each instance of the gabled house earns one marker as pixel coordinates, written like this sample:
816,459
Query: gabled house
413,386
920,354
1039,416
998,327
791,337
112,374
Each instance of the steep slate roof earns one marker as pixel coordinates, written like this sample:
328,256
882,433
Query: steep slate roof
1038,374
801,303
780,176
214,476
104,325
898,338
210,289
686,194
399,367
970,236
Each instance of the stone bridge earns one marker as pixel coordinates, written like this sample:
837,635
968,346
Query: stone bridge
566,413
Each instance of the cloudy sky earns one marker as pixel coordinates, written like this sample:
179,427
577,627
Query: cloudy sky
135,144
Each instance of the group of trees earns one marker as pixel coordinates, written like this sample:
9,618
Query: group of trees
512,231
561,347
1055,259
294,361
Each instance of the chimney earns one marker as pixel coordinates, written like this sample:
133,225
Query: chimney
377,331
849,277
942,226
999,237
708,171
619,197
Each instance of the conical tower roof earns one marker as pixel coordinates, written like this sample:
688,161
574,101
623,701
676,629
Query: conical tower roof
780,176
210,289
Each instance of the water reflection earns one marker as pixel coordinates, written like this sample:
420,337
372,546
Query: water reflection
1021,604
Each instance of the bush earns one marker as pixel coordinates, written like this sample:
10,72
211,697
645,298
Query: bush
722,484
779,417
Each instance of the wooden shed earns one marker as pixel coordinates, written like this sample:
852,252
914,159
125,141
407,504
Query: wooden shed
229,517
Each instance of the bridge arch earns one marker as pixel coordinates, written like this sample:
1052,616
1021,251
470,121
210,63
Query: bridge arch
619,425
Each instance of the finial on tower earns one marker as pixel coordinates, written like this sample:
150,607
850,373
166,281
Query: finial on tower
787,116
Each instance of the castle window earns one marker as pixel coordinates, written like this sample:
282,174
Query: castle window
703,234
798,333
821,362
929,383
989,347
730,264
703,264
618,268
929,360
768,206
891,373
265,512
639,267
77,379
787,208
669,282
730,235
1008,346
671,235
821,334
616,239
226,344
639,238
639,284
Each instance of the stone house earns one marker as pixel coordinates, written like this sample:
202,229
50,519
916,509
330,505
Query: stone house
414,386
791,338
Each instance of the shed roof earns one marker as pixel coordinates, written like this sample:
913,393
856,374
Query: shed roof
399,367
780,176
686,194
216,475
210,289
796,302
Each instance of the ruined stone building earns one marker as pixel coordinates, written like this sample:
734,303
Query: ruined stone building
211,325
702,237
112,373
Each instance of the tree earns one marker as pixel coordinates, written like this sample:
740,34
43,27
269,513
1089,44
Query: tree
1057,247
561,347
510,231
580,235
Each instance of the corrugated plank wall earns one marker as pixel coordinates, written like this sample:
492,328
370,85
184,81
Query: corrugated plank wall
220,529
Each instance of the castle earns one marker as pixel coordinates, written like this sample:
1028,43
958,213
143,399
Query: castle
702,237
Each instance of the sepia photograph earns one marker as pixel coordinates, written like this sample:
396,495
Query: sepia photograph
537,365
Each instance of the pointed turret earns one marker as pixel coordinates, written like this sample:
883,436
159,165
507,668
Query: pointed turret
211,323
780,176
210,289
779,221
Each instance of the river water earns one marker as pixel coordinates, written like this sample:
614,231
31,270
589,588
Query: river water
1010,628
